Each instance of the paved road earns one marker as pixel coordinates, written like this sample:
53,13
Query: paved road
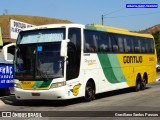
121,100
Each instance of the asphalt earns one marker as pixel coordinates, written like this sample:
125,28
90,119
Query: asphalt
2,102
12,98
10,93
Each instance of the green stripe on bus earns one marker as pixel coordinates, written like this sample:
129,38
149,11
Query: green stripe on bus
111,68
46,84
42,84
95,28
37,84
117,69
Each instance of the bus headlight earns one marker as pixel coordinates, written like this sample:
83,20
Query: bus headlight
58,84
17,85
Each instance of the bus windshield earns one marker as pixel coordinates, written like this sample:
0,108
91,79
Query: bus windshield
39,59
48,61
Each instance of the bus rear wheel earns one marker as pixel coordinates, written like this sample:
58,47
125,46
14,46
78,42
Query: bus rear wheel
143,84
89,92
138,84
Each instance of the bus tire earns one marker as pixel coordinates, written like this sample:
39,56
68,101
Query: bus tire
138,84
89,92
143,83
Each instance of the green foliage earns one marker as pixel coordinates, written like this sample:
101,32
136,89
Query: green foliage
156,36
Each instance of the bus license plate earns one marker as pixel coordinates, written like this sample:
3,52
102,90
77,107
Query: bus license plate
35,94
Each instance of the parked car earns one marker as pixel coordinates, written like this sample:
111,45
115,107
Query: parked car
158,67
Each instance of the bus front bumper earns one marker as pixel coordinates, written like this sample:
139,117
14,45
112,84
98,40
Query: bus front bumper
50,94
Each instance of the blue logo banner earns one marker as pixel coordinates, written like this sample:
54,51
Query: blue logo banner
141,5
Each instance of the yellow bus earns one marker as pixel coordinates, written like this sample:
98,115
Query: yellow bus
66,61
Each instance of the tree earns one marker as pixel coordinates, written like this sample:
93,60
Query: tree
156,36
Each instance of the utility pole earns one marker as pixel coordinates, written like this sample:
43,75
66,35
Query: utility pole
5,12
102,19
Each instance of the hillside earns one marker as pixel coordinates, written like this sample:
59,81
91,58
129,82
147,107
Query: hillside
35,20
150,30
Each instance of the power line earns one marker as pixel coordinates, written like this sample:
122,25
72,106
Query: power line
121,9
103,16
135,15
114,11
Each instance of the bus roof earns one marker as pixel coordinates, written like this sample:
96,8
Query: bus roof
97,27
115,30
48,26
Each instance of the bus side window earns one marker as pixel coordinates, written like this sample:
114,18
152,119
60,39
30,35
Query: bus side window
127,48
87,46
104,44
91,38
150,45
114,43
128,44
120,44
143,47
136,49
115,48
94,46
137,45
103,48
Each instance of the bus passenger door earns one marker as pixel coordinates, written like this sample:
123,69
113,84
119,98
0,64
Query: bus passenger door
74,54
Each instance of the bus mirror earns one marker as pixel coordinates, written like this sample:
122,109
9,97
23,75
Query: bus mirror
63,51
5,52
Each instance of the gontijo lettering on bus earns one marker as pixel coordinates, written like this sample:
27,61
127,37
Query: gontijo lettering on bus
132,59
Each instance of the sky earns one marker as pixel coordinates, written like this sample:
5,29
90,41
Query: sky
88,11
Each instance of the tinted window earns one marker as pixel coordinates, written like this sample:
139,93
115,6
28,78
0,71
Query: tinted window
104,43
114,43
74,53
91,38
97,41
150,45
128,44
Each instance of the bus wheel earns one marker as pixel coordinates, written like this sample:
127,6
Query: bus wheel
143,84
138,85
89,92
